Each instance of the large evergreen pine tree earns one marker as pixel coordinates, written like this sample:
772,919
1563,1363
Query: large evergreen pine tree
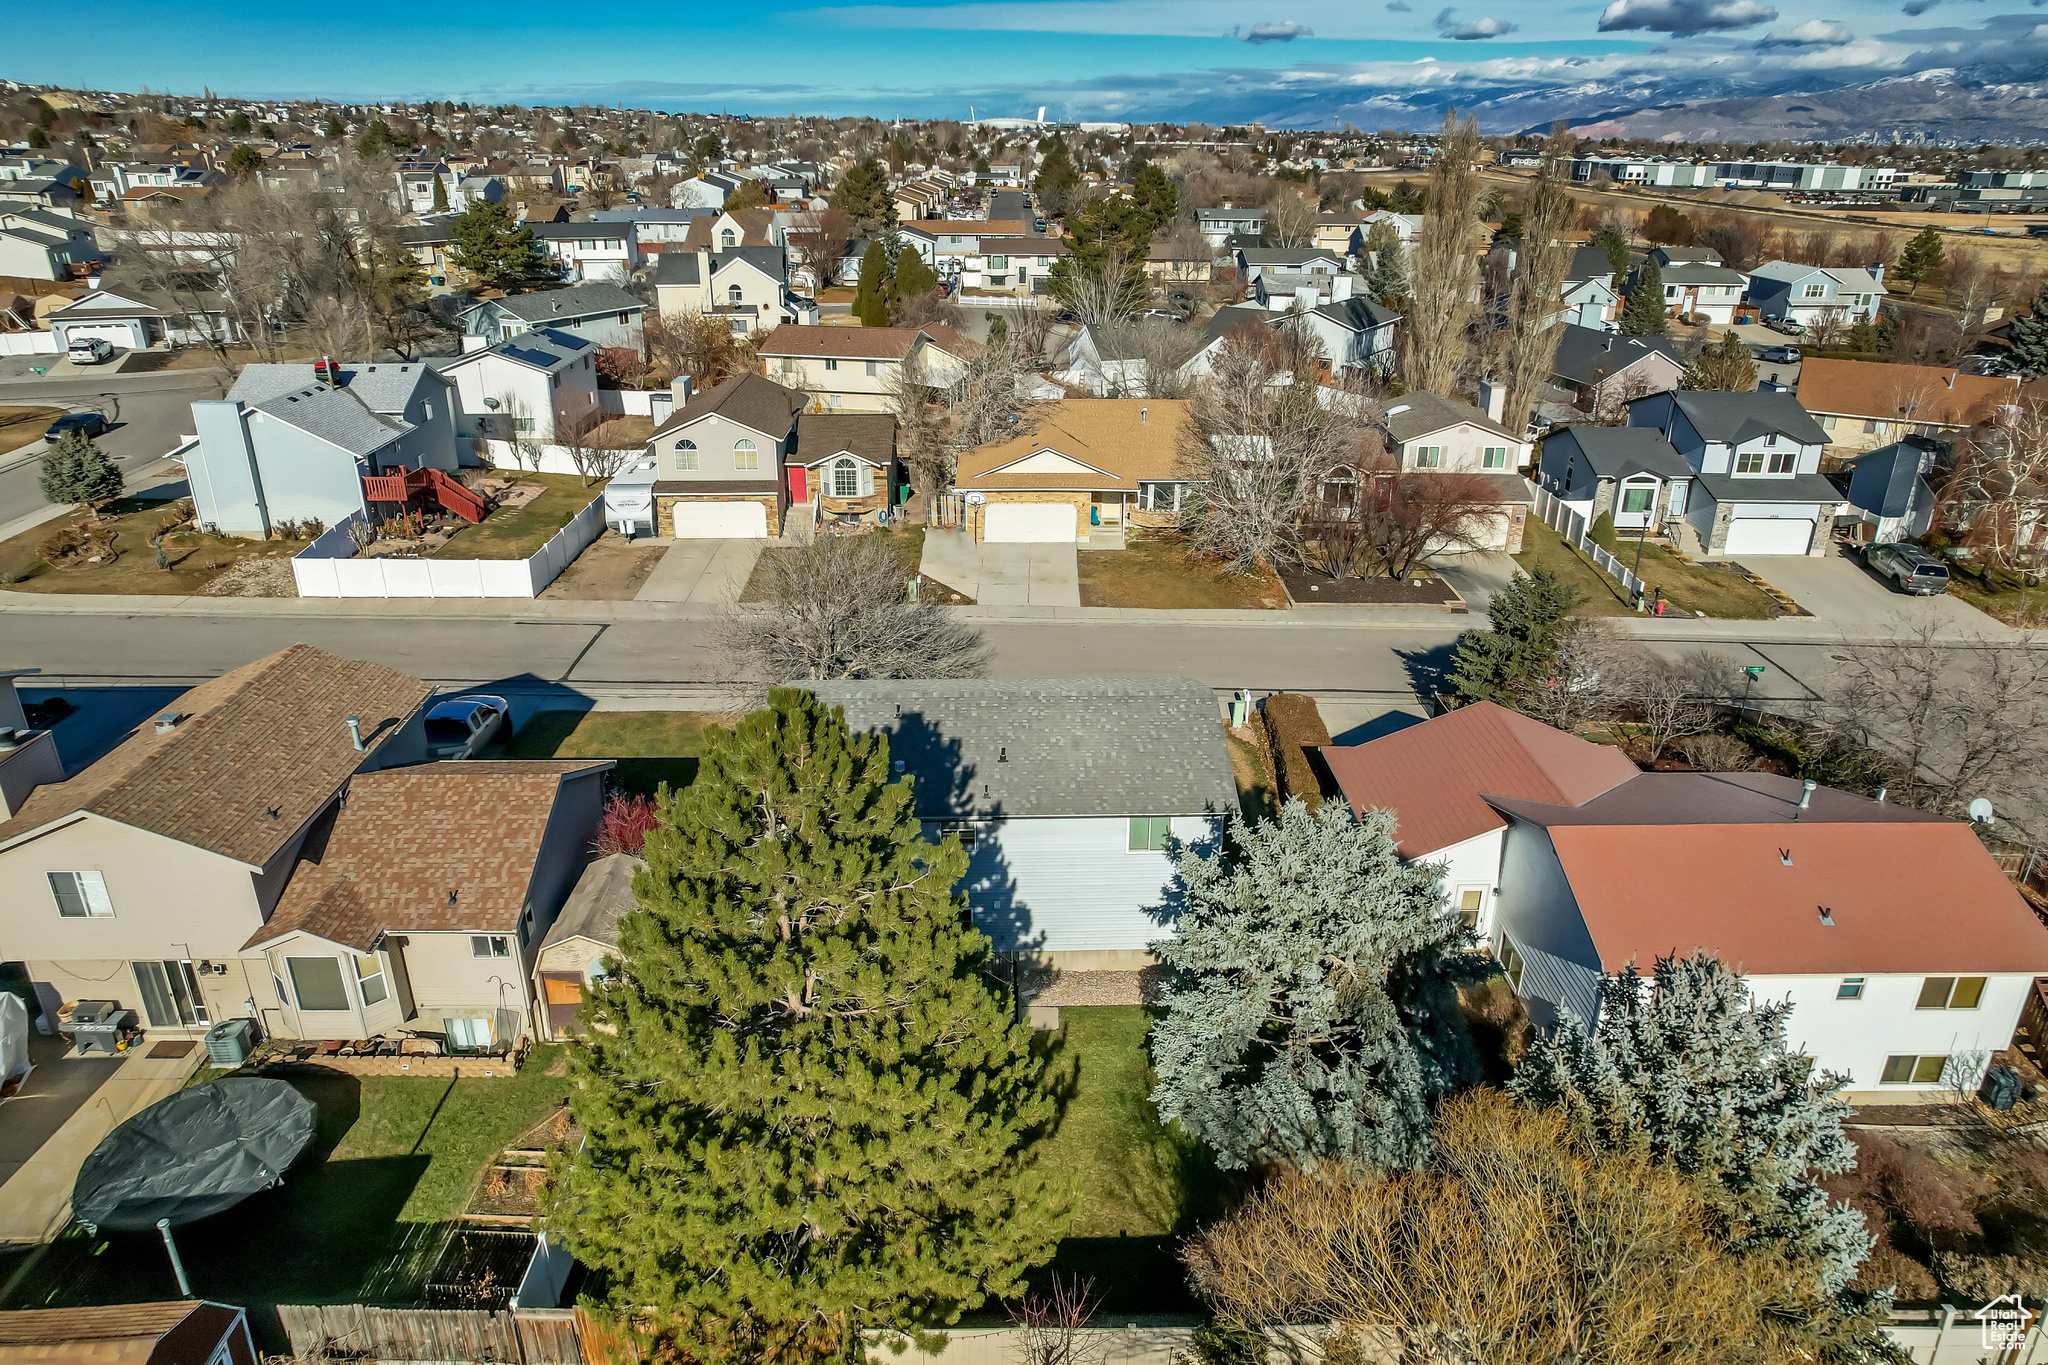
1519,649
913,279
485,240
1921,258
1699,1076
872,292
1313,1014
1388,281
1643,314
77,470
2027,357
806,1112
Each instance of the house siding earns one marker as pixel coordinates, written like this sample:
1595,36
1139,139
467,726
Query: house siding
1539,915
1855,1036
1070,891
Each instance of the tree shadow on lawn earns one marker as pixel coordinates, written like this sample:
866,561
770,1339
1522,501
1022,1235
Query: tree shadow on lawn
316,1238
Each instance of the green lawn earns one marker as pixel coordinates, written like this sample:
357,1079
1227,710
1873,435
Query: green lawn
1998,594
1158,571
1140,1186
651,747
393,1158
516,532
1698,588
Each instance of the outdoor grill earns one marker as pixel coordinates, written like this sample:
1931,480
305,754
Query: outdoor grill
98,1026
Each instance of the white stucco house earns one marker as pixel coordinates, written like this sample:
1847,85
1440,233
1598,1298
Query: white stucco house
525,387
1904,950
1070,796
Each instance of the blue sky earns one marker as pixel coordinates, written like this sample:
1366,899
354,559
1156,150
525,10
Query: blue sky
1084,58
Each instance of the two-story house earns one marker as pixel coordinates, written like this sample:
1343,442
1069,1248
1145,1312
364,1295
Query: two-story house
745,286
1218,226
947,243
719,461
1901,946
1804,294
1756,488
140,879
1430,434
1019,266
1354,334
1589,296
528,387
1070,797
294,442
590,251
1696,284
599,312
45,244
861,369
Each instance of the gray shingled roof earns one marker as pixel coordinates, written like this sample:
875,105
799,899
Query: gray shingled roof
1587,355
1038,748
1420,413
336,417
1617,452
602,894
563,305
750,399
1738,417
382,388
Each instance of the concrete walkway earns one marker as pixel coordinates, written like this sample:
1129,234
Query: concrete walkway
35,1200
705,572
1003,575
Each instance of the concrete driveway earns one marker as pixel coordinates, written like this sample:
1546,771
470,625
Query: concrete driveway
710,572
1003,575
1841,592
1477,574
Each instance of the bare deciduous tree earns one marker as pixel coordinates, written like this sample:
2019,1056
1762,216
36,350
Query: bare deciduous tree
1102,294
1162,347
590,451
1256,450
818,239
1391,519
1996,499
1444,268
520,430
1052,1325
839,608
1290,217
1537,290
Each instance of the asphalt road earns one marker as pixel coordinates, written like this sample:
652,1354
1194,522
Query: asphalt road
148,414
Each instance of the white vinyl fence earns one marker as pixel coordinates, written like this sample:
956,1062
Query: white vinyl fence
28,343
330,566
1569,524
554,459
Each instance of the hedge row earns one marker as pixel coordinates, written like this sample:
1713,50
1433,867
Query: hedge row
1293,726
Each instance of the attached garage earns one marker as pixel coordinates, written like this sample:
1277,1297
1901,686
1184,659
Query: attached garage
1770,535
721,521
1030,522
119,334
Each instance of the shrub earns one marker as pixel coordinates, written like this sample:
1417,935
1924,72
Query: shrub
1984,1278
1292,726
1228,1341
625,824
1717,753
1937,1203
1603,531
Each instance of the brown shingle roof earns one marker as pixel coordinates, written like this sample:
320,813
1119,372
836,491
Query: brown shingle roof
754,225
1916,393
1432,775
854,343
260,750
408,838
119,1334
1127,439
749,399
821,435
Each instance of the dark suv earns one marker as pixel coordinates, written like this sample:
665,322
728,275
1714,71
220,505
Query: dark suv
1912,568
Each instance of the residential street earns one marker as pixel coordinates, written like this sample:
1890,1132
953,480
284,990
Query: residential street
148,414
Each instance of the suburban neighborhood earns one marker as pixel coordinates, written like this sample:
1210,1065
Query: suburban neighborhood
636,735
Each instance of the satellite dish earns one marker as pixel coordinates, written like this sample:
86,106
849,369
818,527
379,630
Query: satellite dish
1980,811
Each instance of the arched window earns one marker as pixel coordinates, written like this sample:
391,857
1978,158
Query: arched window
745,455
845,479
726,241
686,455
733,296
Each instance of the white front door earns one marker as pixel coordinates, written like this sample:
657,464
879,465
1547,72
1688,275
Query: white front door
721,521
1769,535
1029,522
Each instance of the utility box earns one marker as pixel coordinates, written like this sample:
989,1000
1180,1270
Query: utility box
2001,1088
227,1043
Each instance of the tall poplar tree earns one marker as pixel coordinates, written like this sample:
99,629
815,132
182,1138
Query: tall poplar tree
805,1111
1444,273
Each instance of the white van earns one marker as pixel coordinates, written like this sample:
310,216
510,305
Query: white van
89,351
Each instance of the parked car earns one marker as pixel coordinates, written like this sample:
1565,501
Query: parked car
91,423
1786,326
1781,355
461,726
1913,569
89,351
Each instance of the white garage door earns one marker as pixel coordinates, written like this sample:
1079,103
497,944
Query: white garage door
115,333
1769,536
721,520
1029,521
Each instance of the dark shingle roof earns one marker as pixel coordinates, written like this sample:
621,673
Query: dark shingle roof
748,399
821,435
1738,417
1617,452
564,305
1419,413
1082,747
1587,355
1360,315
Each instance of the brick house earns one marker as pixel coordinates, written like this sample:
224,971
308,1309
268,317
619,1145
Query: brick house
720,461
1087,466
847,461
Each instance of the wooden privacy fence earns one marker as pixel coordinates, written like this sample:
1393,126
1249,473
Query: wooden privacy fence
1569,524
434,1336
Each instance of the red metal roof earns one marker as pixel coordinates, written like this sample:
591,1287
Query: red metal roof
1431,775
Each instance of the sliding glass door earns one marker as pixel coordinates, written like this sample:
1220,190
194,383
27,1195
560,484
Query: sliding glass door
170,994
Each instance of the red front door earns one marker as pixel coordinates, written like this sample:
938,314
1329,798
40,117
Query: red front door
799,485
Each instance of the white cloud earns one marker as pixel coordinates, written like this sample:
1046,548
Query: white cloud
1283,32
1812,33
1684,16
1471,30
